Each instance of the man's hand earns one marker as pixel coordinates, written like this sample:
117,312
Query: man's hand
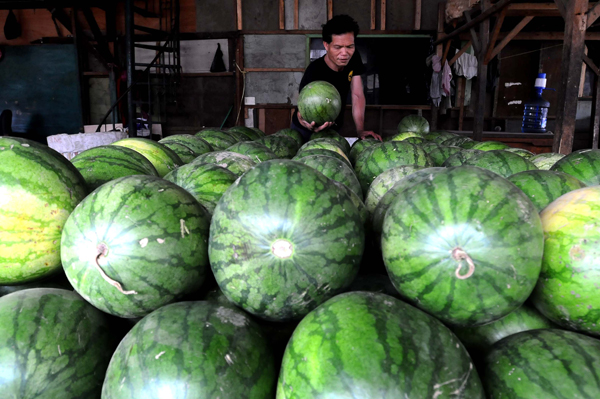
364,134
312,126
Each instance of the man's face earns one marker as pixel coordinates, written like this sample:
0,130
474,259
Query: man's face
341,49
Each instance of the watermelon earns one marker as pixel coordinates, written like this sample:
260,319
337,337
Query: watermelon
371,345
239,136
387,199
206,182
439,137
469,144
544,186
39,188
162,158
333,135
281,145
249,132
456,141
218,139
232,161
544,363
567,291
319,102
321,151
582,164
283,239
378,159
291,133
501,162
52,345
135,244
357,201
415,140
359,146
325,144
521,151
384,182
334,169
490,146
465,245
479,339
405,135
546,160
102,164
56,281
413,123
459,158
186,146
256,151
199,349
441,153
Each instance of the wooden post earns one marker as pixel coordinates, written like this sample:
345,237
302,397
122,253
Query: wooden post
596,112
417,14
296,14
462,82
373,14
484,34
239,14
568,90
383,14
240,80
329,9
282,14
439,49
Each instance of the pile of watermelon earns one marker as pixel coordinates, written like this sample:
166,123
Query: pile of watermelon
235,264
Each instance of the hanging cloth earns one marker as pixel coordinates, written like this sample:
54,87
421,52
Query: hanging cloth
12,28
466,65
446,80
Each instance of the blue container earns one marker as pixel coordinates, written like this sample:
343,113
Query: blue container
535,114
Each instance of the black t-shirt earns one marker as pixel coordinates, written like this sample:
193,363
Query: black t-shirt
319,70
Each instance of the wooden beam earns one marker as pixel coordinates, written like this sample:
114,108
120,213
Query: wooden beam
462,81
484,34
556,36
461,52
497,26
568,90
474,39
98,36
481,17
591,64
383,14
373,12
239,14
438,50
445,56
282,14
593,14
596,112
329,9
274,69
417,14
296,14
561,8
509,37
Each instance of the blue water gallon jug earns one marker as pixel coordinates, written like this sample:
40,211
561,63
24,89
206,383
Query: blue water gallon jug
535,114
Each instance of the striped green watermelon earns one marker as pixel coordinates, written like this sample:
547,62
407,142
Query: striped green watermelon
459,158
162,158
333,135
56,281
239,136
218,139
186,146
582,164
567,291
258,131
378,159
359,146
232,161
490,146
291,133
52,345
192,350
466,245
456,141
283,146
479,339
256,151
135,244
334,169
358,203
250,133
384,182
388,198
102,164
501,162
283,239
321,151
206,182
370,345
413,123
416,140
405,135
546,160
439,137
39,188
325,144
319,102
543,364
544,186
441,153
469,144
521,151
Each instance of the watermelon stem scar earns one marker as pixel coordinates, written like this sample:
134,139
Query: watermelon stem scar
102,252
283,249
458,254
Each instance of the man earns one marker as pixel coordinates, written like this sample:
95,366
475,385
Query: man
342,67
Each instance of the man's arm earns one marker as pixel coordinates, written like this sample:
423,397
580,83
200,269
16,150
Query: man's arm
358,108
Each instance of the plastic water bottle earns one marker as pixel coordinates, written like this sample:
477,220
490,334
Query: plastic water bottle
535,114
